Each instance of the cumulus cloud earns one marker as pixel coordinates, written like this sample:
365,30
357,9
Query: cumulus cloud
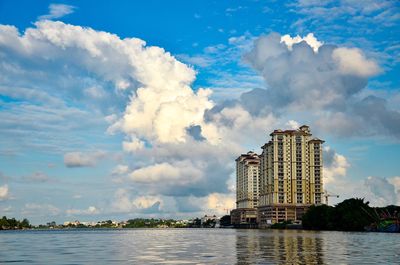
145,202
37,209
309,39
335,165
154,113
215,203
352,61
395,181
294,125
298,76
179,173
162,117
179,143
220,203
123,203
78,159
133,145
91,210
120,170
58,11
4,193
383,191
325,81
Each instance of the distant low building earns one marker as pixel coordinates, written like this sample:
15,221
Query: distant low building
72,223
206,218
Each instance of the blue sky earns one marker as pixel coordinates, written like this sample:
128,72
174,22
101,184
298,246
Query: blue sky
127,109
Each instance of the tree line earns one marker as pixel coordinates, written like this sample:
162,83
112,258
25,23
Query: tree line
12,223
350,215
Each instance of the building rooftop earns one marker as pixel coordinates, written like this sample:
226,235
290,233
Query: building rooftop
303,130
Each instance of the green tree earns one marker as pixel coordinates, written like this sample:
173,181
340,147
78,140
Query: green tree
13,223
352,215
25,223
319,218
225,220
4,223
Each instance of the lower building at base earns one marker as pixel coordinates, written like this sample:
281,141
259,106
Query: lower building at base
244,218
271,214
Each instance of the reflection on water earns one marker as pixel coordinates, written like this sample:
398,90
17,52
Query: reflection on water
279,247
316,247
197,246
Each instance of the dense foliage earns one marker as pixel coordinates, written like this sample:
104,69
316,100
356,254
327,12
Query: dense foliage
225,221
350,215
12,223
152,223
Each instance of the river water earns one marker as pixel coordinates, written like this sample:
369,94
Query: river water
197,246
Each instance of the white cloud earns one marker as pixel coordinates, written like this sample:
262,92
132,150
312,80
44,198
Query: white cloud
58,11
4,193
309,39
159,106
335,166
326,86
294,125
382,191
197,60
123,203
95,92
182,172
395,181
220,203
133,145
153,113
36,209
353,62
120,170
144,202
159,115
78,159
91,210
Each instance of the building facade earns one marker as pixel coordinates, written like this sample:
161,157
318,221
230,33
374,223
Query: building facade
247,189
290,176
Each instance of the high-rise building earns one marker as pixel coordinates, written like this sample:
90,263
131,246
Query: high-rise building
247,189
290,175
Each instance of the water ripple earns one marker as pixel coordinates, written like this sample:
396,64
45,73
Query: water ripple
197,246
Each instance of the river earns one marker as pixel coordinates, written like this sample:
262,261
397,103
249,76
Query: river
197,246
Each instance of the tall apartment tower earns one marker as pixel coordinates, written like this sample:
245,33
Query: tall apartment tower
290,177
247,190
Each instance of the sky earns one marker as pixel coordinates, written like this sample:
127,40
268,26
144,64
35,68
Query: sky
117,110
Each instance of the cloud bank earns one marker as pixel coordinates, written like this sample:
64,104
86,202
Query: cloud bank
179,145
325,81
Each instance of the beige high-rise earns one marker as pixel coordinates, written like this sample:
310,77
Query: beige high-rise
247,189
247,180
290,175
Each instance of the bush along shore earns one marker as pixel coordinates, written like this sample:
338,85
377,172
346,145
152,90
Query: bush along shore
353,215
13,224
